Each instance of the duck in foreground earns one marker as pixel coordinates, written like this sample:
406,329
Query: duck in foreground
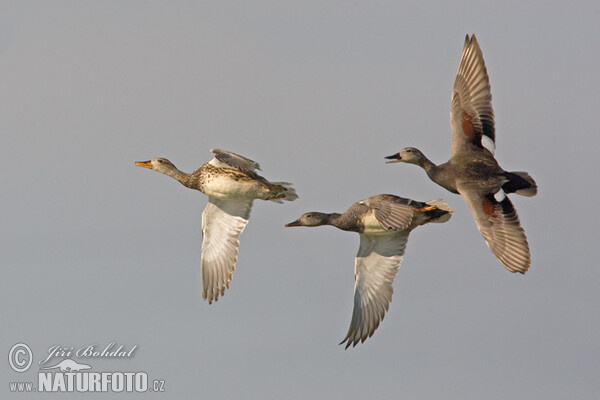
231,184
383,223
472,170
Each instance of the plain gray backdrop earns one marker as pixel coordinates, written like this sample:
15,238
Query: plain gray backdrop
95,250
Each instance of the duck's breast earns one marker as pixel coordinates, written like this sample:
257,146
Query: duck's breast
225,183
371,225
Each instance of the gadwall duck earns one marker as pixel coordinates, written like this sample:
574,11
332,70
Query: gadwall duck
231,184
472,170
383,223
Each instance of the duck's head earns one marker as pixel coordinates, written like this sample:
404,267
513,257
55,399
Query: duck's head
312,218
158,164
408,155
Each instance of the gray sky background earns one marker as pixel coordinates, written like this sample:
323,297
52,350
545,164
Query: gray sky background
96,250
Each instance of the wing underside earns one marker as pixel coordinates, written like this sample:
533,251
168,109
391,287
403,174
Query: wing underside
376,266
222,224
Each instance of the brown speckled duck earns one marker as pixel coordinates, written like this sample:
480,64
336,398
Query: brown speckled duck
231,184
383,223
472,170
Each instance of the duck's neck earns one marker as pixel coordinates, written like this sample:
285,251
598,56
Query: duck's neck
177,174
341,222
435,173
427,165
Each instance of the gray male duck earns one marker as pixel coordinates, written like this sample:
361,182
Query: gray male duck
472,170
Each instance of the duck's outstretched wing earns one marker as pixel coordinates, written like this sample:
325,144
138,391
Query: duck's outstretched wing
236,161
471,113
376,266
222,223
391,211
499,224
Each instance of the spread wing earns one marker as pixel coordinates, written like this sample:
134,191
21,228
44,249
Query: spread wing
499,224
376,266
235,160
391,211
222,223
471,113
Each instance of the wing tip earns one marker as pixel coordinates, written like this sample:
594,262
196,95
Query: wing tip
347,342
471,40
351,341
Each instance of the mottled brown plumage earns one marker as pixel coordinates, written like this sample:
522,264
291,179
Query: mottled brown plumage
231,183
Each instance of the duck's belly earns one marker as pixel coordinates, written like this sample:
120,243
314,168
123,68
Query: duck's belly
232,187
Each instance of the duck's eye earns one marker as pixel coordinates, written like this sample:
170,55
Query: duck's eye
308,215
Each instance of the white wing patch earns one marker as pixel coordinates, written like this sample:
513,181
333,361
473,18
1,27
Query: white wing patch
488,143
499,195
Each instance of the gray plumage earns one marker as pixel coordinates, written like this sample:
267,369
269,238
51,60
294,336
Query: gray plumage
384,223
472,170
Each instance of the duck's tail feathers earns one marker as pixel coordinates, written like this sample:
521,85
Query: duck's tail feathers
279,191
521,183
441,213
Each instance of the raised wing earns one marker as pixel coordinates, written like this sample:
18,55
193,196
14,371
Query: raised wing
471,113
376,266
235,160
499,224
391,211
222,223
